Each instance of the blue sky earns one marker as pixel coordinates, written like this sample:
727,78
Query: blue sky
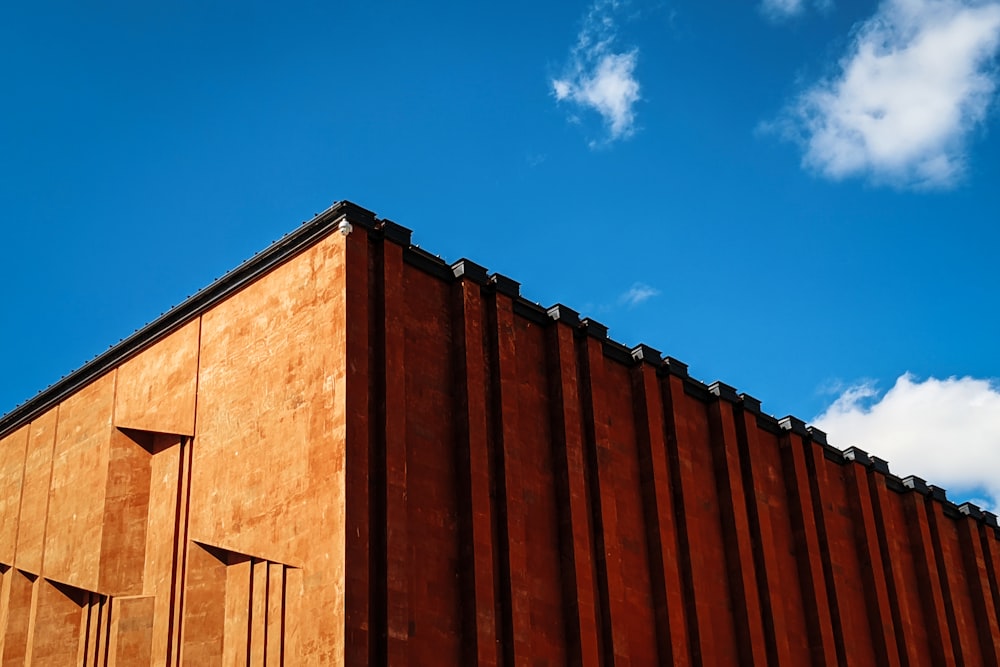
799,198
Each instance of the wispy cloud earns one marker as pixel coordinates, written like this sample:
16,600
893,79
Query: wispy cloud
779,10
946,431
599,76
636,294
915,81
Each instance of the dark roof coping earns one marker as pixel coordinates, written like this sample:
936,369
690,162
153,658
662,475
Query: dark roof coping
466,268
750,404
817,435
971,509
769,423
427,262
857,454
723,391
917,484
645,353
880,465
795,425
356,215
676,367
594,328
937,493
618,352
506,286
562,313
531,311
396,233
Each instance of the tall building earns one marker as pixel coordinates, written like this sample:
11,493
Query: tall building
349,452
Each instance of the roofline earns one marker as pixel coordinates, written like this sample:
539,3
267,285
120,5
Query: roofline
329,221
287,247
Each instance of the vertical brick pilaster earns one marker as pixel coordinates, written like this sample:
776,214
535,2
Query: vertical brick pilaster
839,607
929,581
769,579
515,586
979,586
991,559
700,623
871,559
808,549
182,547
600,458
575,540
739,551
966,650
360,637
474,457
668,586
393,475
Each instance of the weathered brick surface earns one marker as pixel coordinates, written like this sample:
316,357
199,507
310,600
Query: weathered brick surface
360,455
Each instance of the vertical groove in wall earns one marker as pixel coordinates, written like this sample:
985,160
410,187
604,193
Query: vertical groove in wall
178,568
991,553
673,392
267,609
816,467
928,580
665,578
739,553
606,551
475,510
982,598
808,555
249,608
378,529
579,605
358,320
869,550
108,604
521,591
20,500
86,634
284,608
45,520
392,448
178,557
499,336
753,473
888,568
945,563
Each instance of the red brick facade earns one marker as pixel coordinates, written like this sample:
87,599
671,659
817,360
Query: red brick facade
373,457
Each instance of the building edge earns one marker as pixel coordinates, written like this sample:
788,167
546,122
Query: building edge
344,216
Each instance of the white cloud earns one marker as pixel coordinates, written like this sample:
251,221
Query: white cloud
778,9
916,80
636,294
600,77
945,431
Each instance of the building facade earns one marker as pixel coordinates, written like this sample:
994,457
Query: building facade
347,451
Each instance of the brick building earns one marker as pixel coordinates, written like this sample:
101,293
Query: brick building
348,452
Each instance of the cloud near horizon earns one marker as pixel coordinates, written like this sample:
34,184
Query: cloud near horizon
598,76
945,431
915,82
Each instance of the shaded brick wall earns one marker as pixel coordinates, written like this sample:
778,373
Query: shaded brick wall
527,491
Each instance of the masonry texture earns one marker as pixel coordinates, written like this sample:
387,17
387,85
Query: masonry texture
348,452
